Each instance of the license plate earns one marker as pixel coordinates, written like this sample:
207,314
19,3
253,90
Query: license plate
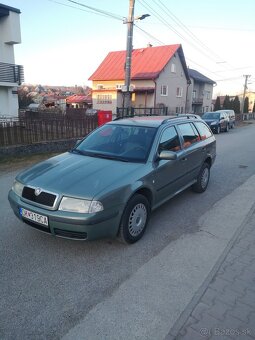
32,216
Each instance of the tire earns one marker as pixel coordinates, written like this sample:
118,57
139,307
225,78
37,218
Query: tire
202,179
218,129
134,219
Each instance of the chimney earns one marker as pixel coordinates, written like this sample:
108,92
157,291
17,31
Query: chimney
149,45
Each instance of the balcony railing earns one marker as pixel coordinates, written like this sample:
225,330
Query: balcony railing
11,73
197,101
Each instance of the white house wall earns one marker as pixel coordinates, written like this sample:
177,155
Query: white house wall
9,35
8,102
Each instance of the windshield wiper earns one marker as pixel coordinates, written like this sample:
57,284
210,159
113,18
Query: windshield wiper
79,152
102,155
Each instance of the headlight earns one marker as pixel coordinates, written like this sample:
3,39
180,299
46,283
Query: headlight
214,123
17,187
80,206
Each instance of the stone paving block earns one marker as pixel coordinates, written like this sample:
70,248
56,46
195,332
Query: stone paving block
191,334
199,310
219,284
238,286
248,276
229,297
242,312
228,274
244,243
230,258
248,298
209,297
238,267
244,258
206,325
237,251
219,310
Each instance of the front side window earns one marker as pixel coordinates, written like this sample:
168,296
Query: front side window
169,140
189,134
164,90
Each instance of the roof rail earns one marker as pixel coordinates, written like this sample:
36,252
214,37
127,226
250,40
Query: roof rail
182,115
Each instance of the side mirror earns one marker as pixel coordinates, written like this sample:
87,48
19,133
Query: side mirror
168,155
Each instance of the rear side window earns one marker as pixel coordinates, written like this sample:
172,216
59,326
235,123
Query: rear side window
189,134
203,129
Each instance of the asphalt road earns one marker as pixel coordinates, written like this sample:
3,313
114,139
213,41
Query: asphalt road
49,285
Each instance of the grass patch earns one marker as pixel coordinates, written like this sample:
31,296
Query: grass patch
10,163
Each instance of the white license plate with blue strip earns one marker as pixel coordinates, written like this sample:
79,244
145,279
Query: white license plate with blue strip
32,216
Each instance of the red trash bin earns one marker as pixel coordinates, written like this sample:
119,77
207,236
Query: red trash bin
104,117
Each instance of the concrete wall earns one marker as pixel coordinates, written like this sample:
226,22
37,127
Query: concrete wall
53,146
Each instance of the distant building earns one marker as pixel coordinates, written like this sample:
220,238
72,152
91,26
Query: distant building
11,75
200,91
159,78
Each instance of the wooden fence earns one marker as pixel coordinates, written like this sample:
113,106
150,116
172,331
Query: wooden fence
29,131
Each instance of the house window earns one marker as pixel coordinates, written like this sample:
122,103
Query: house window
179,91
100,86
208,95
164,90
104,99
194,94
173,68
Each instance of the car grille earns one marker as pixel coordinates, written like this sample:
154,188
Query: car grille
44,198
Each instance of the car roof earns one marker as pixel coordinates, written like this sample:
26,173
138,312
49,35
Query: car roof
154,121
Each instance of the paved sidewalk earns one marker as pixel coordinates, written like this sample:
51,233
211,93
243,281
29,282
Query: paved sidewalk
225,308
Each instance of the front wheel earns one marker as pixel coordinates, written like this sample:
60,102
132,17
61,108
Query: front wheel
202,179
134,219
218,129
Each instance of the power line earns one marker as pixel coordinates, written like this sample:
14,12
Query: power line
77,8
149,35
185,28
97,10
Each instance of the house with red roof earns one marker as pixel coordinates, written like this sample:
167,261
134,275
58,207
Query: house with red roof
159,78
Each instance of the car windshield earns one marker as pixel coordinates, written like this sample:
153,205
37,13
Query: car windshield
211,115
119,142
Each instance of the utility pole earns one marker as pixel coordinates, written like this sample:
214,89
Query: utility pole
246,76
130,23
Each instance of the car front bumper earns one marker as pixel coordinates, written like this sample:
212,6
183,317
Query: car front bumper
71,225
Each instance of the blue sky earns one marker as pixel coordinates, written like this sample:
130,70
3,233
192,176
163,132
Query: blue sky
63,43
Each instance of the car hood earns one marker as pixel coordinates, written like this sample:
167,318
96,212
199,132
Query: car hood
77,175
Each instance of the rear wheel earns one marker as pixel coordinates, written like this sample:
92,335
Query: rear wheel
135,219
202,179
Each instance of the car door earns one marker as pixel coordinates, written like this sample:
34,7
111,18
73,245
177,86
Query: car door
193,152
168,174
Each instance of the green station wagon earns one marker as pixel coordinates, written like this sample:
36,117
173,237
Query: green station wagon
112,180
